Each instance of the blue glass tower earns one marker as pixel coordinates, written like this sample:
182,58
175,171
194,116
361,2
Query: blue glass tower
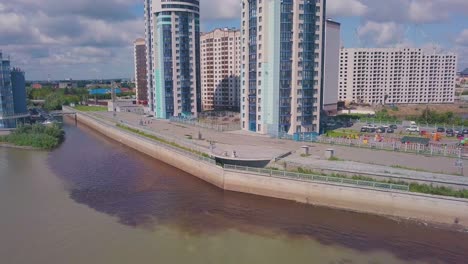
282,65
19,91
6,95
176,58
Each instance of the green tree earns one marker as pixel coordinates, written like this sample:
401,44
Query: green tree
54,101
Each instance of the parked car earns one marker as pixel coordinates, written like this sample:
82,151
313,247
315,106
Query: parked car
371,129
449,130
349,124
390,130
440,129
364,129
412,129
450,134
393,126
460,135
465,131
381,129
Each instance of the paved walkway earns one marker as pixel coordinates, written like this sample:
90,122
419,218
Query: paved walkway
315,162
253,146
247,145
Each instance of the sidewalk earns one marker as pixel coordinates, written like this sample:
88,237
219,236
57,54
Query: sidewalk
251,145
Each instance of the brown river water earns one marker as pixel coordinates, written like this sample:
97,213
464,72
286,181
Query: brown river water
95,201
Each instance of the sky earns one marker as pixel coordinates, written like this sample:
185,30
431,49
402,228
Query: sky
93,39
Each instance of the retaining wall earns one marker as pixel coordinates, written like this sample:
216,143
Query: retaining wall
428,208
207,172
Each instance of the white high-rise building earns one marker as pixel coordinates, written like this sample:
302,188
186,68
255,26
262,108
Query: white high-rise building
396,76
220,69
331,67
174,62
282,65
149,52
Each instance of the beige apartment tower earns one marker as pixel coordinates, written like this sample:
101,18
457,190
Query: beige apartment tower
140,71
220,70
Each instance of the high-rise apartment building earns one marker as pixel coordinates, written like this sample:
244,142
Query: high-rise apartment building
18,84
6,94
12,94
149,52
220,70
331,67
282,65
396,76
175,57
140,71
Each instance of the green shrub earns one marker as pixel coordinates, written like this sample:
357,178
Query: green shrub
36,136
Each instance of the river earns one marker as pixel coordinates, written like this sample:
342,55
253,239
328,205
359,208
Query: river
95,201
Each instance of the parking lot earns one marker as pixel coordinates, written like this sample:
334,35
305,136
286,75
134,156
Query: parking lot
434,134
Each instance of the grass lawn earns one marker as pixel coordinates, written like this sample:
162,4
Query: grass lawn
86,108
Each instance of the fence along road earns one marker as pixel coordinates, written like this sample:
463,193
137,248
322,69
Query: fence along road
320,178
431,149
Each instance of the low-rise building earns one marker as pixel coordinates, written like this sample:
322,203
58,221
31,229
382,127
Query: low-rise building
126,106
63,85
396,76
36,86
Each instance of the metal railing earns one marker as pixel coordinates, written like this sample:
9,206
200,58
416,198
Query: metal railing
432,149
422,126
207,125
320,178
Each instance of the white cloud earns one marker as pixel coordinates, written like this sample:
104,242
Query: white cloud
462,39
53,35
346,8
382,34
220,9
400,11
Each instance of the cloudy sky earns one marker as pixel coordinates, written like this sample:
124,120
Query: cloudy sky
84,39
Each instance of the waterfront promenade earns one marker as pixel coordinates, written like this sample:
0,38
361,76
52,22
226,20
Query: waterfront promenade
250,146
375,198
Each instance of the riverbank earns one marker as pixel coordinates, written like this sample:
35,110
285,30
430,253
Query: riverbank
428,208
6,145
36,136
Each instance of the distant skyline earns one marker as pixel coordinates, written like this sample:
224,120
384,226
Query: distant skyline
87,39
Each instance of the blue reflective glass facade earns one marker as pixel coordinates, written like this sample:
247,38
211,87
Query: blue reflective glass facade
19,91
6,94
177,82
308,56
252,99
286,43
282,46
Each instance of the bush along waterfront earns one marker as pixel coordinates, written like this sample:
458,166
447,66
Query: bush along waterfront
36,136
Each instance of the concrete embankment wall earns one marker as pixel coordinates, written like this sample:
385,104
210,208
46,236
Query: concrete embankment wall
209,173
404,205
396,204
